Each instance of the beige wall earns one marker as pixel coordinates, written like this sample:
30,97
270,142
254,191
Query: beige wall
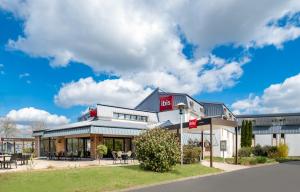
37,146
60,144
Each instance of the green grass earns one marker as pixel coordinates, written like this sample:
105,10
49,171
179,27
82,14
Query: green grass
93,178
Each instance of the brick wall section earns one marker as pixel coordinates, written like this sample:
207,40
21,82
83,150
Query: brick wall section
60,144
95,141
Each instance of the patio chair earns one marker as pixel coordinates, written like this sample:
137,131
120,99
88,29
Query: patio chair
119,156
13,160
7,161
133,156
114,156
1,161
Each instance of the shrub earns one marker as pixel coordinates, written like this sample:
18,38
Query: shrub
273,152
101,150
248,161
261,159
282,150
259,151
245,152
157,150
191,154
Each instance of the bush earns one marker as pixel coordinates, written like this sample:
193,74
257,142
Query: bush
261,160
101,150
259,151
283,150
157,150
245,152
248,161
272,152
191,154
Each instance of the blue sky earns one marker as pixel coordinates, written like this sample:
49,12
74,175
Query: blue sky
217,59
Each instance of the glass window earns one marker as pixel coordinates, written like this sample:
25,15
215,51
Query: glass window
127,117
116,115
119,145
121,116
133,117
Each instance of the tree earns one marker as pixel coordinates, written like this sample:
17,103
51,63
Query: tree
243,134
250,133
101,150
157,150
38,125
8,127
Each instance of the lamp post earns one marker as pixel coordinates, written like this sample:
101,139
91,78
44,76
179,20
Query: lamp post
181,106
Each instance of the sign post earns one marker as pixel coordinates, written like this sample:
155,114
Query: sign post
223,147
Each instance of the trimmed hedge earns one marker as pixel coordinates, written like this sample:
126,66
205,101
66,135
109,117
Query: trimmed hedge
157,150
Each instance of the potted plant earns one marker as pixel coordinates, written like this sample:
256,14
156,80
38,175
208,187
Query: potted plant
101,150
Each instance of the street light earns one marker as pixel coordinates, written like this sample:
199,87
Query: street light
181,106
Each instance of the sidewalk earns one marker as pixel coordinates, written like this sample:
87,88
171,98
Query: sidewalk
225,166
39,164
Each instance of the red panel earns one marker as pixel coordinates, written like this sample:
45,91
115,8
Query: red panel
192,123
93,113
166,103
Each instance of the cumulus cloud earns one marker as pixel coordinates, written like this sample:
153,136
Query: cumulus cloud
281,97
26,116
139,41
88,92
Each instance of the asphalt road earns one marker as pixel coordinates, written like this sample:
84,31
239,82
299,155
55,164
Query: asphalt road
284,177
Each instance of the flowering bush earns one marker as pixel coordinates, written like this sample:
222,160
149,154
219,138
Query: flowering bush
283,150
157,150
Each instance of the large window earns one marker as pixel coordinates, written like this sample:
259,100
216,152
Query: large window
130,117
117,144
47,146
78,146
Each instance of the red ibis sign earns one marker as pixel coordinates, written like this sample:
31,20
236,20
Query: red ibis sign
192,123
166,103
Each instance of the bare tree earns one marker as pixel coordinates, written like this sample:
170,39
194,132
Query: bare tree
8,127
38,125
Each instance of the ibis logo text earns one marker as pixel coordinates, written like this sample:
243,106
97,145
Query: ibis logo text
166,103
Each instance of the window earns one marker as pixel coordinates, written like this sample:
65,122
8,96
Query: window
133,117
130,117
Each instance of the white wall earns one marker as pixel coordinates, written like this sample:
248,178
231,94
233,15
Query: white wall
293,141
107,112
263,139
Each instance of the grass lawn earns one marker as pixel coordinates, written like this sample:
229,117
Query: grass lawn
93,178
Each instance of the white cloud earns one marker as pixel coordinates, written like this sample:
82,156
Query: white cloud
138,41
281,97
27,116
88,92
23,75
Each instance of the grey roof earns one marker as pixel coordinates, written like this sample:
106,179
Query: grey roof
102,123
268,115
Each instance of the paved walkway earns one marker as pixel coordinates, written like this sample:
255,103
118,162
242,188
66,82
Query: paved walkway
60,164
224,166
269,178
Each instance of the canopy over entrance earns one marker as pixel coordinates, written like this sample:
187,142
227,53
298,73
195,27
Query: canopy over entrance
208,124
